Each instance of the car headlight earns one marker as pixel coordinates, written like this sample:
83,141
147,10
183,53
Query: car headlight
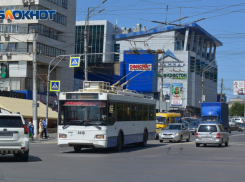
176,134
62,136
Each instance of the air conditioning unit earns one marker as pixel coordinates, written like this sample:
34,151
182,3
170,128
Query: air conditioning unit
6,35
8,54
7,88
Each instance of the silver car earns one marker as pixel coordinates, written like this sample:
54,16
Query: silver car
175,132
211,133
241,127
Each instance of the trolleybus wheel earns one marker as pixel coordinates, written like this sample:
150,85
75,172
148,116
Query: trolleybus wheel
119,142
145,138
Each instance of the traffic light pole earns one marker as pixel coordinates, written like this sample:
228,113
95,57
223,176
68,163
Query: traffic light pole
34,91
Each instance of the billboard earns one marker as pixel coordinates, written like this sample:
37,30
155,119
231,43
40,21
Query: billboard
238,88
166,91
177,89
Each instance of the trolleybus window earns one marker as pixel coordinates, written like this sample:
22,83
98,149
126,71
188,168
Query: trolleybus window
83,113
111,113
145,113
120,112
127,112
134,112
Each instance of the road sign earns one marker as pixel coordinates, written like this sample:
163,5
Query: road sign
75,62
55,86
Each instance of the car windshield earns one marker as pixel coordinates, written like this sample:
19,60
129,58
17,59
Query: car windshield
207,128
11,122
193,123
173,127
160,119
83,113
210,118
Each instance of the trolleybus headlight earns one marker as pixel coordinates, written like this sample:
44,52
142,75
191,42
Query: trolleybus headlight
100,136
62,136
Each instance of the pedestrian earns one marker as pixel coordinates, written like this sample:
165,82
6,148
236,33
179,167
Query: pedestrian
44,127
31,128
40,128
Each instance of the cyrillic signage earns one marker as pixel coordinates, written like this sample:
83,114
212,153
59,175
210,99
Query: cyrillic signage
140,67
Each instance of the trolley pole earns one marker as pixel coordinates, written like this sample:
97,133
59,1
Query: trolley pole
34,91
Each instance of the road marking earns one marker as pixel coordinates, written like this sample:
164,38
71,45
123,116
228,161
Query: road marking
236,135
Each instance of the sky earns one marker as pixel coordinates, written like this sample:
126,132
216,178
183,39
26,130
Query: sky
223,19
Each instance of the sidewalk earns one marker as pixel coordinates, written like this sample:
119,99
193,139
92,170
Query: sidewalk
52,139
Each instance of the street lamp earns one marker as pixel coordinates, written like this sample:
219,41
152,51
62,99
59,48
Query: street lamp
86,39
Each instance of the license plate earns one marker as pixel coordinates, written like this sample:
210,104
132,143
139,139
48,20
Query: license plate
6,135
207,139
167,137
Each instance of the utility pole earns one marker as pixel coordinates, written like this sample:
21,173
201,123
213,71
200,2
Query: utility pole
221,91
203,86
86,48
34,91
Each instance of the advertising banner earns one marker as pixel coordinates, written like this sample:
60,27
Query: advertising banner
238,88
177,89
166,91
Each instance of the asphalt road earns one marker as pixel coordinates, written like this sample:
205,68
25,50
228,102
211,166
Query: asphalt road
157,162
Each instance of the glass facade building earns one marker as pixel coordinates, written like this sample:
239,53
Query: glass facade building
95,42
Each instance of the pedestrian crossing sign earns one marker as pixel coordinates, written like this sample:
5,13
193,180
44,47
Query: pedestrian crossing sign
55,86
75,62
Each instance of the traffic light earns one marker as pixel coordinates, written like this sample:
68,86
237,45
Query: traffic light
4,70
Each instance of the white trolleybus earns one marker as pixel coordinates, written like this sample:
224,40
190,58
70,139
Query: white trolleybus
103,116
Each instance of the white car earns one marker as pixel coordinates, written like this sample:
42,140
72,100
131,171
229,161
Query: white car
14,137
239,120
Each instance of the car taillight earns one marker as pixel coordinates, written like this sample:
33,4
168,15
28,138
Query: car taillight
196,135
218,135
26,131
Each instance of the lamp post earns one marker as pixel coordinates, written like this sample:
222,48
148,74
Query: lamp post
86,38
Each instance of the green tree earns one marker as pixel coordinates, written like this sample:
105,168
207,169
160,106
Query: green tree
237,109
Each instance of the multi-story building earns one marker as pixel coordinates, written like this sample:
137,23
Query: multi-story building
101,44
189,51
55,37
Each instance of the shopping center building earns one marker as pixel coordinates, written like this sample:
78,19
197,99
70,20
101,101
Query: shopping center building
189,50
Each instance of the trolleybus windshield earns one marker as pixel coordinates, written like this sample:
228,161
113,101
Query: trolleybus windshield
83,113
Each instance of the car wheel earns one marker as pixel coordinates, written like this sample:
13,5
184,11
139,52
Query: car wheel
193,133
77,148
161,141
227,142
180,139
25,156
187,140
119,142
197,145
220,145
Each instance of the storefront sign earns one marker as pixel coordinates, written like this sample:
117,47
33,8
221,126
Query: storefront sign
175,75
140,67
174,64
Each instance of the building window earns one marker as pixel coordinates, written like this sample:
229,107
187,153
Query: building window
116,49
47,50
1,47
59,18
192,64
198,66
211,74
45,31
9,28
179,45
12,47
62,3
215,74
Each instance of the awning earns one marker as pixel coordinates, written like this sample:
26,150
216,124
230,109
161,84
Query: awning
24,107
